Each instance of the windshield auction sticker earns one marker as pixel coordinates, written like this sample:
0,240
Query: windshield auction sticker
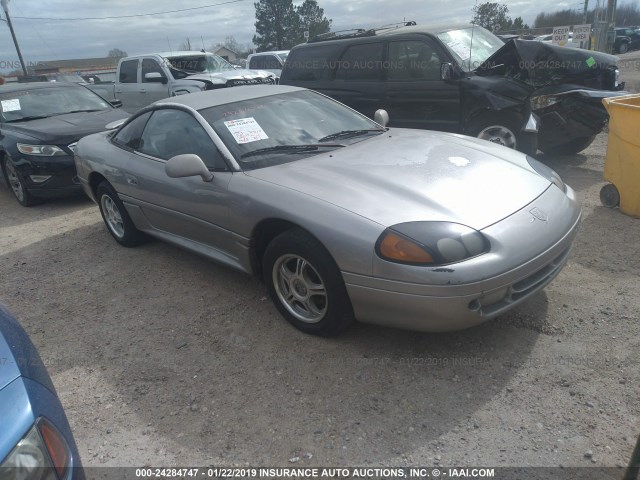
11,105
245,130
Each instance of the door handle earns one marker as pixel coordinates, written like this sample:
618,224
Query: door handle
131,180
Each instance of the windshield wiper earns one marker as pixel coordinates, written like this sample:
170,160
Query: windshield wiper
349,133
291,149
87,110
24,119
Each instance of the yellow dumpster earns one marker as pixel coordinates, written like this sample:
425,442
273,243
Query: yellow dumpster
622,165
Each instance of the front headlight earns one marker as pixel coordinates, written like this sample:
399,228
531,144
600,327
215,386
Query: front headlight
543,101
430,243
546,172
42,454
41,150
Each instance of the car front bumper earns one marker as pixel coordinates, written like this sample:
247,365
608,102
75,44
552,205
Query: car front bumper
457,305
63,179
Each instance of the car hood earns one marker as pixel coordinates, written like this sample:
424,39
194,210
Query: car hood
67,128
539,64
414,175
238,76
18,356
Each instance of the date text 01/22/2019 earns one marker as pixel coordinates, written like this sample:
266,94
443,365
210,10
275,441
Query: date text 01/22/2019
315,472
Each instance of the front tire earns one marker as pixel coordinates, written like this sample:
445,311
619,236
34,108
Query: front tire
623,48
569,148
17,185
305,284
116,218
505,130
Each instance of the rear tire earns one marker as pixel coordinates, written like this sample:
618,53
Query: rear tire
504,129
623,48
16,184
570,148
306,285
116,218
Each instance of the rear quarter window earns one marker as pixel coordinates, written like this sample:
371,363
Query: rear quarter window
310,63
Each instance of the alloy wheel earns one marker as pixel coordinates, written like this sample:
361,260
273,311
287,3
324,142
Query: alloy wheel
300,288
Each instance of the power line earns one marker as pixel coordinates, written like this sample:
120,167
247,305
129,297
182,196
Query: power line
131,16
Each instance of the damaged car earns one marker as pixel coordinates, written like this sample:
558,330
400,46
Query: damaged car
522,94
144,79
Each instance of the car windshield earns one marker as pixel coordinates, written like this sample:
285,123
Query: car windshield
281,128
470,46
29,104
182,66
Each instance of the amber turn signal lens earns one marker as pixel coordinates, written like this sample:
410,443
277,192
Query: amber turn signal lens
395,247
56,447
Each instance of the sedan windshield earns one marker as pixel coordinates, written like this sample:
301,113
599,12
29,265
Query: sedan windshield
184,65
470,46
270,130
30,104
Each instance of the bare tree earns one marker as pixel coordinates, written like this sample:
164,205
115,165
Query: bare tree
116,53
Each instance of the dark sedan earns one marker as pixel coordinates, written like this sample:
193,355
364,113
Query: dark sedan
35,439
39,126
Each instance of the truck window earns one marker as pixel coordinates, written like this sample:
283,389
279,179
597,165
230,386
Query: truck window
149,65
412,60
257,62
361,62
310,63
271,62
129,71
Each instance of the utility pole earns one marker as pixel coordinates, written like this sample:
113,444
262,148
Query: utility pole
5,6
584,14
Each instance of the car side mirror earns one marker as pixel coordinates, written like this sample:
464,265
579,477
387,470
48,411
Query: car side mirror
187,165
155,77
446,71
116,103
381,116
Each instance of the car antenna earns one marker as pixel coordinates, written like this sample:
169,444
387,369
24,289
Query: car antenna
473,29
169,43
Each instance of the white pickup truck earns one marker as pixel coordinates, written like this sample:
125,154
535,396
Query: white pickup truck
143,79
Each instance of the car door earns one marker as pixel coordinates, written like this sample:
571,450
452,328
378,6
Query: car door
127,86
153,90
188,209
358,78
415,95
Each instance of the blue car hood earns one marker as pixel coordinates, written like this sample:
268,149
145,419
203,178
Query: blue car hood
18,356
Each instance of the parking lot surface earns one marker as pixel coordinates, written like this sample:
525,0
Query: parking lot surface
162,358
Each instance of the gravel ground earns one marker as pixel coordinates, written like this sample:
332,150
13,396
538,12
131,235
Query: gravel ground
161,358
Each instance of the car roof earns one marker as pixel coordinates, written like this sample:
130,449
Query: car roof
222,96
269,52
14,87
391,31
177,53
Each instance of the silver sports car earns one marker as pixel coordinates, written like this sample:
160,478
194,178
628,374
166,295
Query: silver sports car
344,219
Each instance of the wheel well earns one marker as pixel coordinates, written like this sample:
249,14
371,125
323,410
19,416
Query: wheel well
95,179
487,115
262,235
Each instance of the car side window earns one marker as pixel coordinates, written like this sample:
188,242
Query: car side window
271,62
361,62
129,71
309,64
412,60
129,135
172,132
257,62
149,65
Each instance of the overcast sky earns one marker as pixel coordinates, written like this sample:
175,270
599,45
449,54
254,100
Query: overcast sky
66,39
